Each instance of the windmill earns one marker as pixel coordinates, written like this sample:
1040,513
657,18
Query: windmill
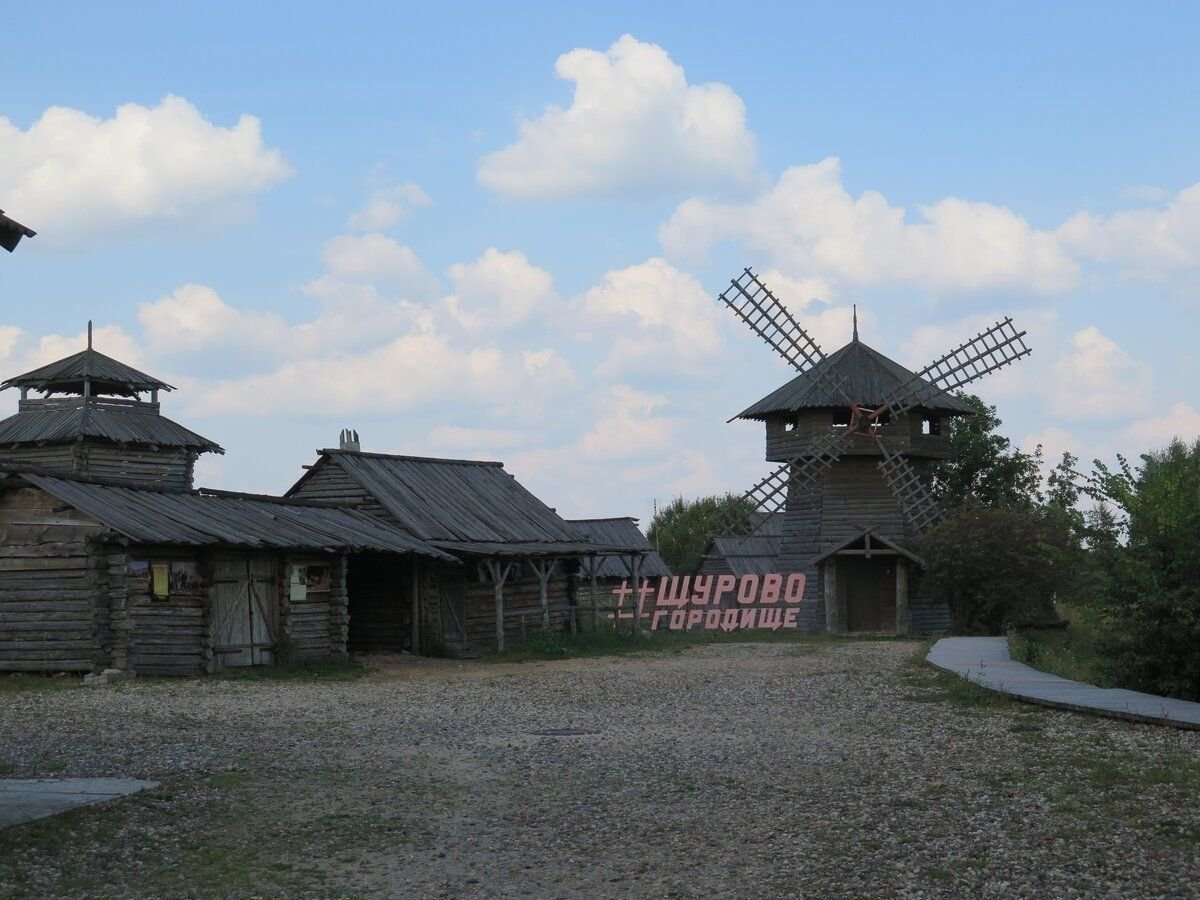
854,433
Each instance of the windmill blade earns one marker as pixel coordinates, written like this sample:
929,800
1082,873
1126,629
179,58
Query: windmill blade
991,349
770,495
915,499
755,305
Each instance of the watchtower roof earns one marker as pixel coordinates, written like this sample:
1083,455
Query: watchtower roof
858,372
105,374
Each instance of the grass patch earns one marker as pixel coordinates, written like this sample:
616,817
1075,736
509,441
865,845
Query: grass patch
543,645
313,668
1074,652
22,683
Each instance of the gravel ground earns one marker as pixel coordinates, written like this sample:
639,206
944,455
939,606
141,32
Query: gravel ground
803,769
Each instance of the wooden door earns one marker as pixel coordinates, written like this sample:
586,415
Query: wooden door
870,593
245,607
452,590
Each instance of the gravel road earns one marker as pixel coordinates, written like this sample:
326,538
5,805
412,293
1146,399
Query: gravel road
791,769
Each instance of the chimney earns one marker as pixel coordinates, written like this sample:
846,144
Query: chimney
349,440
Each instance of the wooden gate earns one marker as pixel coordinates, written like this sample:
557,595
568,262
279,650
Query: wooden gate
245,611
870,593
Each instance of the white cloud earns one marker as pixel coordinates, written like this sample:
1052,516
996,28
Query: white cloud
386,206
499,290
72,173
194,316
634,127
1154,432
657,319
809,226
379,259
1096,379
1146,242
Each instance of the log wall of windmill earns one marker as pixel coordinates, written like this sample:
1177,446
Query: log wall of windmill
789,436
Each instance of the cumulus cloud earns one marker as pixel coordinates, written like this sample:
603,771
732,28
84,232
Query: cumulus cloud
499,290
809,225
1181,421
1146,242
194,316
656,318
386,206
634,126
71,173
378,259
1096,379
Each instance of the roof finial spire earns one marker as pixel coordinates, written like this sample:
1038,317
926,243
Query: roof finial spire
855,321
89,334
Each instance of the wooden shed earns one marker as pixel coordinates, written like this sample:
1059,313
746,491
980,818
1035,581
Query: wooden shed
97,575
630,559
519,557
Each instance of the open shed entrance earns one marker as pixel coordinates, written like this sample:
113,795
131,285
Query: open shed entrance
380,592
245,611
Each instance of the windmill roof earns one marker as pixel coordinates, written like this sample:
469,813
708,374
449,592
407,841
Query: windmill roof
107,376
856,371
468,506
11,232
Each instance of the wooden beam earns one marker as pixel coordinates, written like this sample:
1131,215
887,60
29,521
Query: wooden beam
499,574
416,605
544,568
636,569
594,564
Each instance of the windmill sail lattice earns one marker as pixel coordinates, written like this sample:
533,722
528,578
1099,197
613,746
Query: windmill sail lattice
993,348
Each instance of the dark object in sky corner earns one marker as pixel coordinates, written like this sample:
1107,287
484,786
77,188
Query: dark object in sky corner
11,232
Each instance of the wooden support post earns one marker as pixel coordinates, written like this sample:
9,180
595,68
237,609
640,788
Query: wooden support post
416,606
544,568
636,568
499,575
903,611
594,563
832,623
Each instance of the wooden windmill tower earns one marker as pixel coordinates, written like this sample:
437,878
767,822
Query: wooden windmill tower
854,434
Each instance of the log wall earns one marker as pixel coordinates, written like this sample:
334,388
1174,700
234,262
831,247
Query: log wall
166,469
790,436
54,613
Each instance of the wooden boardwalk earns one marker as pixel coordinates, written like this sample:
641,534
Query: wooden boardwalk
986,661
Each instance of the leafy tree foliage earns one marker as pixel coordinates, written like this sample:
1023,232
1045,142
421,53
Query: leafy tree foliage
682,530
1146,541
1001,566
984,466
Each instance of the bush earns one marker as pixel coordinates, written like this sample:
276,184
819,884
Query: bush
1001,567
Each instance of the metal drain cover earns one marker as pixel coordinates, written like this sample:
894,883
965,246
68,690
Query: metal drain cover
564,732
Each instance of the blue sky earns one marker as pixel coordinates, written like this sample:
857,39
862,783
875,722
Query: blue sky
426,231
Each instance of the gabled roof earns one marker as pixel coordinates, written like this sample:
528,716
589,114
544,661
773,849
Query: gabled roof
194,519
753,554
467,506
858,372
11,232
106,375
621,536
867,537
60,421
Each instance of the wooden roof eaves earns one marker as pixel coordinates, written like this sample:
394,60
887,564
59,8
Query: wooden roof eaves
890,545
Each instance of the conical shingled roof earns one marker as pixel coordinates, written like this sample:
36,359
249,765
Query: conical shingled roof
107,376
856,371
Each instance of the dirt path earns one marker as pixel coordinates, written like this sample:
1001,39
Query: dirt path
751,770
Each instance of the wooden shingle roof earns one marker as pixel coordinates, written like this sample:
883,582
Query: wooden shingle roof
623,536
192,518
63,420
106,375
466,506
856,371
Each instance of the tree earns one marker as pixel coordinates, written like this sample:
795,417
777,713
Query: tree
983,465
682,530
1149,545
1001,566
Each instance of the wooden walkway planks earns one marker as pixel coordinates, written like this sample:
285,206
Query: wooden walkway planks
986,661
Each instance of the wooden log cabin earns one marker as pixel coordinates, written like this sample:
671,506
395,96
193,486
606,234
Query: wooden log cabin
110,559
519,559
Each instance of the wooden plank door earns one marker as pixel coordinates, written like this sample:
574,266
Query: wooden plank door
264,610
245,611
452,589
870,593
